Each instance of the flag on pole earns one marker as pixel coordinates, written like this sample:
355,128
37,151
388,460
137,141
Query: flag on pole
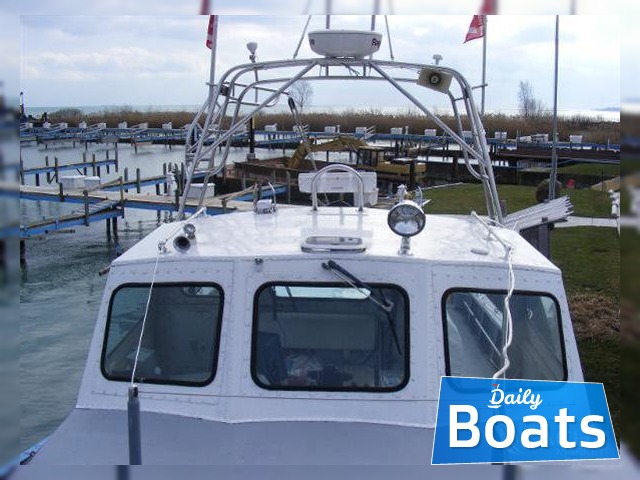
212,22
476,29
489,7
204,7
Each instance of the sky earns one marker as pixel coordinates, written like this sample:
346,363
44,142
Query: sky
162,60
79,53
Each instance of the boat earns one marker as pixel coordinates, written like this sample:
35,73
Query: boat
315,334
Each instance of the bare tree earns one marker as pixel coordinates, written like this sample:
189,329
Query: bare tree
302,93
529,106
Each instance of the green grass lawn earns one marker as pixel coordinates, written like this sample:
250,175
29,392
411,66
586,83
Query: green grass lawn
589,258
590,261
594,169
462,199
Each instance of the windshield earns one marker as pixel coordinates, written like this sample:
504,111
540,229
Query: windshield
330,337
474,335
180,341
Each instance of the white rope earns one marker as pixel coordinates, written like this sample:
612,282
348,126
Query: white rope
144,319
507,299
507,310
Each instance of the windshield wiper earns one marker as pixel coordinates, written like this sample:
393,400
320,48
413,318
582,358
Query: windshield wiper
353,281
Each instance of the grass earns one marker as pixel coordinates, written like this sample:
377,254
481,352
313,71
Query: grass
593,169
630,337
590,260
462,199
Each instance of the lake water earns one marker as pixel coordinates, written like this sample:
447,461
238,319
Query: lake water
61,290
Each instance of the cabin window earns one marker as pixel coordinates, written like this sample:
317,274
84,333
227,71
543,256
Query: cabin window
330,337
474,326
180,341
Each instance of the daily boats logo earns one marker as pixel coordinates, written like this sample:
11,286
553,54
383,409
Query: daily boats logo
496,421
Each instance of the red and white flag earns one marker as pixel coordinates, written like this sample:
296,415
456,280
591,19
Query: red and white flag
489,7
476,29
212,24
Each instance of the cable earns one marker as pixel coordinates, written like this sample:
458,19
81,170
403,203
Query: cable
144,319
512,285
507,310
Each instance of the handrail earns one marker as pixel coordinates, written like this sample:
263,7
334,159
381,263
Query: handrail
332,168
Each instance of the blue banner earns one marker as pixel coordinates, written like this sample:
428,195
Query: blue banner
483,420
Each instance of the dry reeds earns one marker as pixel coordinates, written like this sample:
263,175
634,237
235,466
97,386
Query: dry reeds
593,130
595,317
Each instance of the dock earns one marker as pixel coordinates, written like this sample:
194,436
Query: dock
268,138
102,204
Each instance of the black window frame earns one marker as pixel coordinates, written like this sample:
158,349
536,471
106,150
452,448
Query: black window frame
531,293
406,344
218,332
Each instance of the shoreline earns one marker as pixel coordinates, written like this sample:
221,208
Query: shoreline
594,130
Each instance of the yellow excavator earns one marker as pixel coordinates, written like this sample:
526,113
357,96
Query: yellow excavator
369,157
341,143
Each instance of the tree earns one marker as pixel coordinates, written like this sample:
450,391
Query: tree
529,106
302,93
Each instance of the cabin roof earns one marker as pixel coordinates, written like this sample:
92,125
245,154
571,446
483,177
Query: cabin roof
451,239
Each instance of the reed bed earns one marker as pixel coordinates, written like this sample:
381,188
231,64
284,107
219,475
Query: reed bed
594,130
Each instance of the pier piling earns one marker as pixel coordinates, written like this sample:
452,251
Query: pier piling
85,194
137,180
164,174
55,169
114,227
23,252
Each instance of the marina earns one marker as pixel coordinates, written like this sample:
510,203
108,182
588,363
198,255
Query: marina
305,312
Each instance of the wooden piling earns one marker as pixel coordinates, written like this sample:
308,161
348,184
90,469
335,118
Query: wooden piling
114,227
55,169
137,180
126,177
116,154
121,193
108,230
93,164
158,189
23,252
61,190
85,194
288,174
46,162
37,179
164,174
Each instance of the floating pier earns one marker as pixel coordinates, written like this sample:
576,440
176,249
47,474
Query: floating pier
273,138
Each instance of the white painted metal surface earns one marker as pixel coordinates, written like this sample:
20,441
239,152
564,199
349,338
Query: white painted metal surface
344,43
241,252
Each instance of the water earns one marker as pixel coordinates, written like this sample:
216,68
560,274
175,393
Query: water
61,290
